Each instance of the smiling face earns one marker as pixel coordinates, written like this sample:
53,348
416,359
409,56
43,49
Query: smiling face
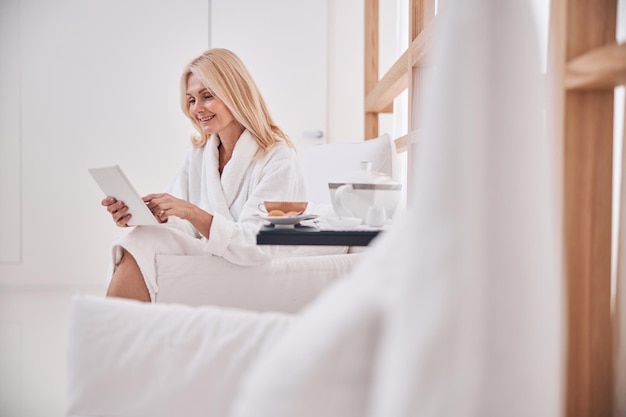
208,111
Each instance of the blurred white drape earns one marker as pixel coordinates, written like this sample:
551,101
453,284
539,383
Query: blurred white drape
475,325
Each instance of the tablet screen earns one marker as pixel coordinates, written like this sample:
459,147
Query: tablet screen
114,183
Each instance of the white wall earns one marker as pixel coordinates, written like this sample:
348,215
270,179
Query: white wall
99,85
345,71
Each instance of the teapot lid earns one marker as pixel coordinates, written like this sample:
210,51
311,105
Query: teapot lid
365,175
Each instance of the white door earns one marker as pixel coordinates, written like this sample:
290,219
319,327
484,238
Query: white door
284,45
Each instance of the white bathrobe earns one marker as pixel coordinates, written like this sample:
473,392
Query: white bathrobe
247,180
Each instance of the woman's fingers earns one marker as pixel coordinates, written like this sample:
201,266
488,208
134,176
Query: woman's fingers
107,201
116,207
156,198
159,203
165,205
123,220
161,215
118,211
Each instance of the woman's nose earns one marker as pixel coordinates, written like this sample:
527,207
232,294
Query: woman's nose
196,108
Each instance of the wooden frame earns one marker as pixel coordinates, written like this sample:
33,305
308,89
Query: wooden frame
379,94
586,64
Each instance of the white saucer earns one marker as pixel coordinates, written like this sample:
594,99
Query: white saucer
288,220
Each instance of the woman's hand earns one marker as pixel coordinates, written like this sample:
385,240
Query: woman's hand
118,210
165,205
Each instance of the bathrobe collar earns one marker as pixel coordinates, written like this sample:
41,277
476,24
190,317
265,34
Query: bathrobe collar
234,174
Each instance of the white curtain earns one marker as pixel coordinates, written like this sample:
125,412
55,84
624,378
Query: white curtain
476,324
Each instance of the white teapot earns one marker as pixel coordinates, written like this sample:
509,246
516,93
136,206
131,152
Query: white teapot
353,194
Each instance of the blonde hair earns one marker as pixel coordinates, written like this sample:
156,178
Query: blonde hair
226,77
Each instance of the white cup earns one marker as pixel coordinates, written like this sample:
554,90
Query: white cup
376,216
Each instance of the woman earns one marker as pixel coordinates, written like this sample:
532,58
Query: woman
239,158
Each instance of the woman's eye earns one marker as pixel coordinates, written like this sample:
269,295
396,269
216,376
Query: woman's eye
208,97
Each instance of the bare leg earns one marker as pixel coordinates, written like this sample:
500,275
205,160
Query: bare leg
127,281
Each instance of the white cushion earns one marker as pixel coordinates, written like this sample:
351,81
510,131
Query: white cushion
282,285
322,364
325,162
128,358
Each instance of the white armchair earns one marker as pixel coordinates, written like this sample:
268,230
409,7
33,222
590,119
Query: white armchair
284,284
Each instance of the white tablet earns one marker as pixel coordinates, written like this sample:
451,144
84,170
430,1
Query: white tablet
115,184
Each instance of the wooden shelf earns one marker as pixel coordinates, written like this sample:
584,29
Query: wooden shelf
396,80
600,68
402,143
